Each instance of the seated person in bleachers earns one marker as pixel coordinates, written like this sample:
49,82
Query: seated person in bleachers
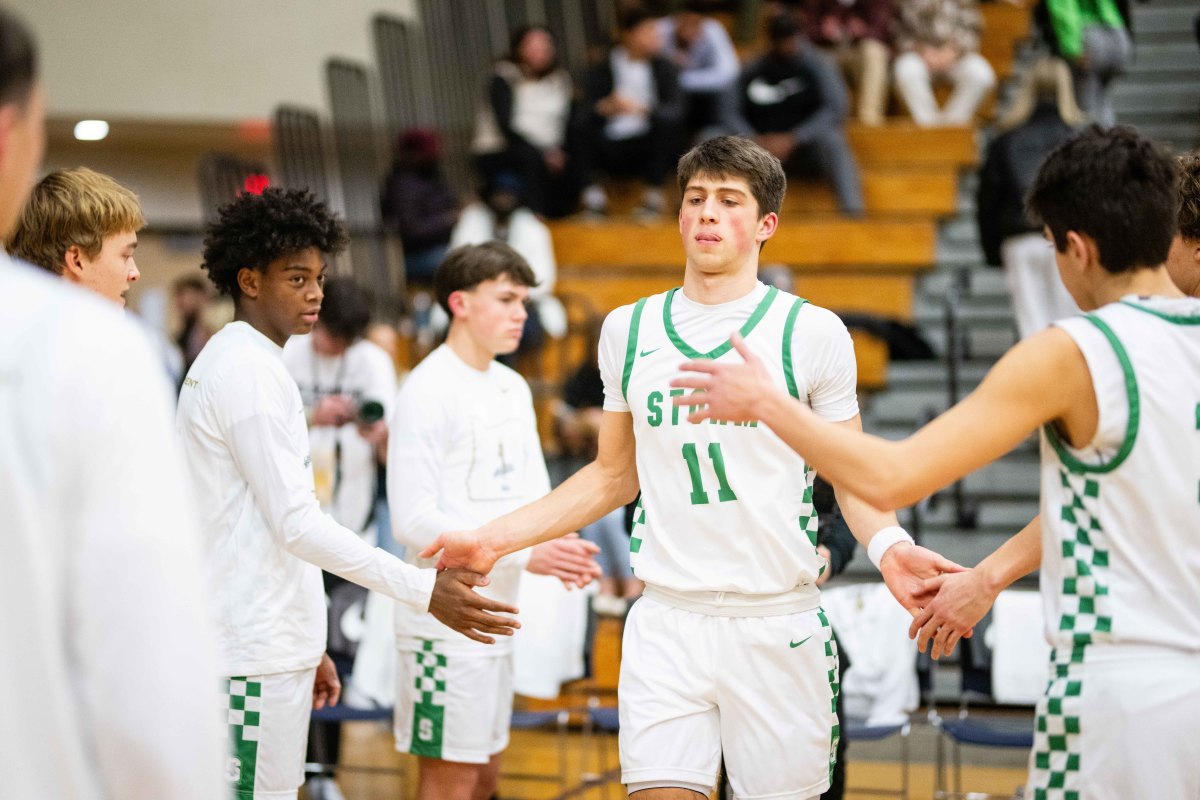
858,35
633,110
793,103
708,65
938,40
1093,37
418,205
501,215
1043,116
522,126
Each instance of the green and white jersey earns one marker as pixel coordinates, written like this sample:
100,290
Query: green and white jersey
725,507
1121,517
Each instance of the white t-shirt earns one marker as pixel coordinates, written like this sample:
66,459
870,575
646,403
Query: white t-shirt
242,425
725,507
634,80
344,463
107,671
463,450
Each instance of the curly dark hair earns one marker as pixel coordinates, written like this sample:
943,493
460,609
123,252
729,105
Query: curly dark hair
254,230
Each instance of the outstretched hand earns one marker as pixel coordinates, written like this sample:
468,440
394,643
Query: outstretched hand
570,559
457,605
725,390
953,605
462,550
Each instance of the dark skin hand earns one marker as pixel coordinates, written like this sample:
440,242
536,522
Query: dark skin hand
457,605
327,688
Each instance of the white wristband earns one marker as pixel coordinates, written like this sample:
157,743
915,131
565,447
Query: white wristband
884,539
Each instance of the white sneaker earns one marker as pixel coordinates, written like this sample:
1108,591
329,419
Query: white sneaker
595,200
606,605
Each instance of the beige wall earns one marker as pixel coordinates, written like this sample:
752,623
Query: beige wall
206,60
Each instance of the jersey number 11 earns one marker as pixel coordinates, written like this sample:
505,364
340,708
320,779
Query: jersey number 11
698,495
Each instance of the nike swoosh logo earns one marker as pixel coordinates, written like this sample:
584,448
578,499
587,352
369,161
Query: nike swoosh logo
794,645
645,353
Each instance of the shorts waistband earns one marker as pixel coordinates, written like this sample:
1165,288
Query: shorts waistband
736,604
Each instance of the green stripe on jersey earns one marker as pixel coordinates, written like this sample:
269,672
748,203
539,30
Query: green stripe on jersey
1175,319
631,347
1131,427
722,349
788,327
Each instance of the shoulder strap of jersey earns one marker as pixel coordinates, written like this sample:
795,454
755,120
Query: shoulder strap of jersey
1131,427
788,326
631,347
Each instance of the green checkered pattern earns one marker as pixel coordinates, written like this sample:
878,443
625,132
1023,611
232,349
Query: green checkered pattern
808,514
429,695
243,716
831,663
637,528
1086,618
430,684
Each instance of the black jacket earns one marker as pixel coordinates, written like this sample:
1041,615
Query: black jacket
1008,171
598,84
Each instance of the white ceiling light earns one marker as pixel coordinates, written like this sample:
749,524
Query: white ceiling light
91,130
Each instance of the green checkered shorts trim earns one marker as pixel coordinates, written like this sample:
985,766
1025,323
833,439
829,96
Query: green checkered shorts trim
244,718
831,664
429,695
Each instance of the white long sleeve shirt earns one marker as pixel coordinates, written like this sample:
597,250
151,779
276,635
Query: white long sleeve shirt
241,422
107,669
463,449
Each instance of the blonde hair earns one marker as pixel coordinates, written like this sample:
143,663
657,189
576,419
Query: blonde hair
1048,79
77,207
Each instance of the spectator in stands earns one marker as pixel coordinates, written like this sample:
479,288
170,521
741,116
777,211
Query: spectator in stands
858,35
632,115
522,126
708,65
82,226
1042,116
793,103
938,41
192,297
1183,262
501,215
418,205
1093,37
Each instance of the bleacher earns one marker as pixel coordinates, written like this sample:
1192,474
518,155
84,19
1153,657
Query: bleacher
910,180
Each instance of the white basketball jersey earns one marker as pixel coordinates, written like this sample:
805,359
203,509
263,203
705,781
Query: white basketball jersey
1121,517
725,507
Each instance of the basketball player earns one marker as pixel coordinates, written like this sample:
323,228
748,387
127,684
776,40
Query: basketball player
728,651
1116,394
464,449
241,421
107,663
83,226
